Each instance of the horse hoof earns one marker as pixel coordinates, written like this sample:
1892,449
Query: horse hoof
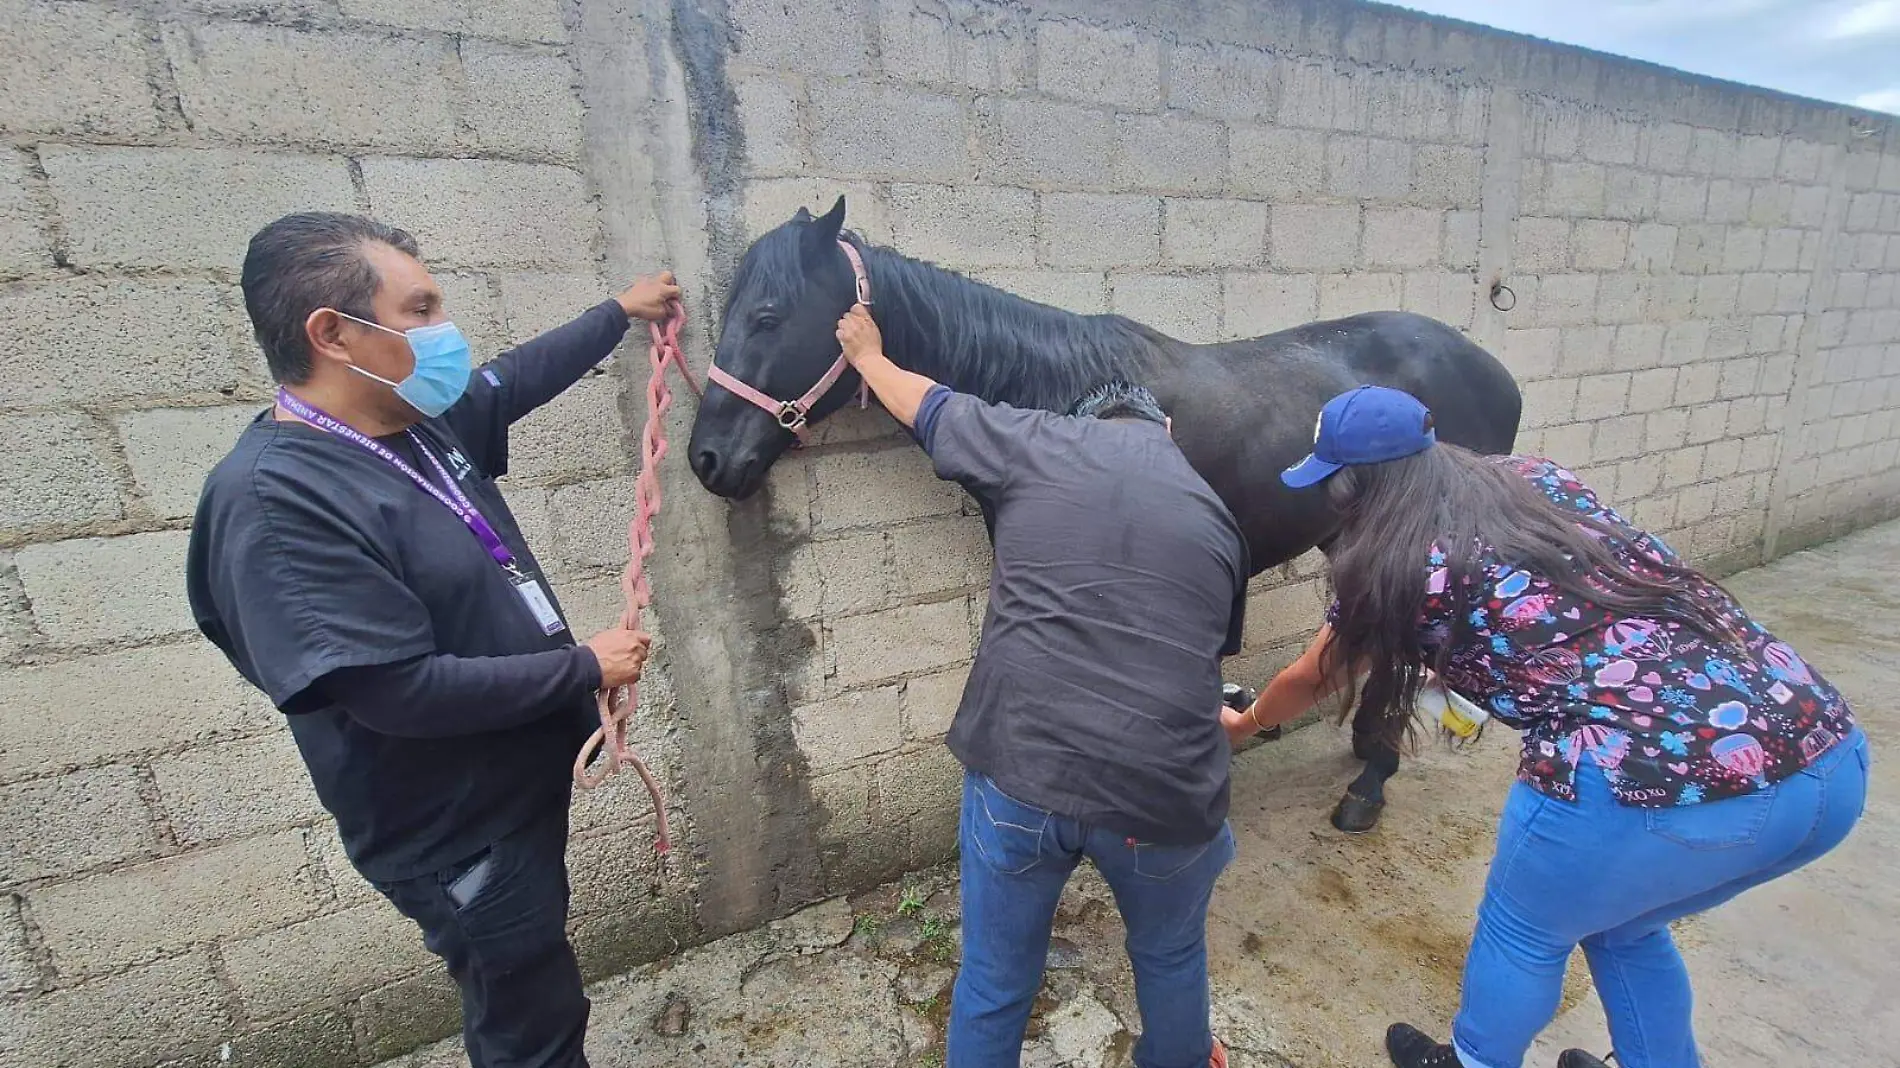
1356,815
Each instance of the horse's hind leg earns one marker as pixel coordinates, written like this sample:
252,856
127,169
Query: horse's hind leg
1358,810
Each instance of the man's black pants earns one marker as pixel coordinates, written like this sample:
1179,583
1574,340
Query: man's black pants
499,921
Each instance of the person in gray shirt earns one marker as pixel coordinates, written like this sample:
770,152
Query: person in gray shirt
1090,725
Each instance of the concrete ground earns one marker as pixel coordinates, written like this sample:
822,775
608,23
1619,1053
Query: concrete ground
1318,940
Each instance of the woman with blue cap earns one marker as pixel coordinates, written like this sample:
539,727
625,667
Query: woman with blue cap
1674,754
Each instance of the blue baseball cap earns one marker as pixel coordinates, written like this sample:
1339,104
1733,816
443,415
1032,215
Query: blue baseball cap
1368,425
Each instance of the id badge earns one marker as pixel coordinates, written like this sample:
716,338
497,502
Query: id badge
535,596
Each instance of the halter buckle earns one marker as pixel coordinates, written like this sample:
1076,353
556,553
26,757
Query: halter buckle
791,417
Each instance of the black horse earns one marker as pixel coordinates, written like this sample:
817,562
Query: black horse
1242,411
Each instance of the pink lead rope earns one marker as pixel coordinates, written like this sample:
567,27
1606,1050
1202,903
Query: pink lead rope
617,704
794,414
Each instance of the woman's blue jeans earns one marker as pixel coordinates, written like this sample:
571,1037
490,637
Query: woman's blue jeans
1016,858
1613,877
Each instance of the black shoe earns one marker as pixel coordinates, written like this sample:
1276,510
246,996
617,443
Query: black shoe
1411,1048
1576,1058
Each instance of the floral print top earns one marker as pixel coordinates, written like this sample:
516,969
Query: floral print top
1670,718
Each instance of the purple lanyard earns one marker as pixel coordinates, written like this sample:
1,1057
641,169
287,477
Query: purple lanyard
454,499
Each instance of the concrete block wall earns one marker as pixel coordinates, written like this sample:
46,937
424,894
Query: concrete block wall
1705,281
169,886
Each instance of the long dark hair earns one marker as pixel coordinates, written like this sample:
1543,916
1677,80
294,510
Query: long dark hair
1394,513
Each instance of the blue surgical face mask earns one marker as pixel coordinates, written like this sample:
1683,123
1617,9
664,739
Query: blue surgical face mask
442,366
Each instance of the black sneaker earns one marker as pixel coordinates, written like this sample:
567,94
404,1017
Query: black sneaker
1411,1048
1576,1058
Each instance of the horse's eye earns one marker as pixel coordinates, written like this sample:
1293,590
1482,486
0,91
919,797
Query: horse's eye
764,322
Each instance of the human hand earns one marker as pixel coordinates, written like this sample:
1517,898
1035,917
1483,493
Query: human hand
622,655
858,335
648,297
1238,725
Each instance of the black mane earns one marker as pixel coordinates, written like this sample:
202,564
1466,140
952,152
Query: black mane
996,345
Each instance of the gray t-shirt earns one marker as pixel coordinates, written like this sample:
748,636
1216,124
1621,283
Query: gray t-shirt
1120,582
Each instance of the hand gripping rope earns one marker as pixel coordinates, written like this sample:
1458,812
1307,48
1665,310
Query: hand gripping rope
617,704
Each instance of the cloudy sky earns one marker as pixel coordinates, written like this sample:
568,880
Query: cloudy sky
1840,50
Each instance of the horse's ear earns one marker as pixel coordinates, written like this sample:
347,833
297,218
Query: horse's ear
824,230
801,216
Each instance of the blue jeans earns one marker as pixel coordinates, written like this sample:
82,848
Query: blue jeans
1613,877
1015,860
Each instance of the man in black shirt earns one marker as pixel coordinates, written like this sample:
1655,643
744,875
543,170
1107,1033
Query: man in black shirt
1090,725
354,559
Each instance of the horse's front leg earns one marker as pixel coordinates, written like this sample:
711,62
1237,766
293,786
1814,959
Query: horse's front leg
1358,810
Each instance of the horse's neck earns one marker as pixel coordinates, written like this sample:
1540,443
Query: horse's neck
982,340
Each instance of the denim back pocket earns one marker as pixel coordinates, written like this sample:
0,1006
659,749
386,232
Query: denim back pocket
1007,833
1726,824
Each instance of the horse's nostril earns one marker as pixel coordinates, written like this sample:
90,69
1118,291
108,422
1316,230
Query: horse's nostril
706,462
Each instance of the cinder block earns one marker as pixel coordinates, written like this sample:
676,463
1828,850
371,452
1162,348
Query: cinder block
915,784
1277,163
1755,294
1448,297
1083,292
1423,108
1185,307
1341,295
965,225
184,693
1770,205
1366,168
850,727
1620,298
1170,154
1739,378
73,822
24,246
172,450
1617,438
52,336
1284,612
1756,156
1708,422
1563,300
1101,230
865,131
73,69
837,576
53,474
122,208
1718,296
930,703
1532,353
1310,237
1652,390
1042,143
1631,195
1225,82
1672,296
1601,245
770,203
487,213
1728,338
1402,237
768,114
1573,190
579,434
1668,429
981,48
1589,350
1549,402
1667,145
19,972
512,20
902,641
1608,139
194,788
1603,396
856,490
1682,199
1461,240
1446,176
470,298
98,589
1080,62
351,888
1214,233
329,957
536,302
589,521
1743,250
823,37
1257,304
402,1016
520,103
137,914
1652,248
1728,201
1699,248
1541,244
147,1015
1639,346
280,85
1319,95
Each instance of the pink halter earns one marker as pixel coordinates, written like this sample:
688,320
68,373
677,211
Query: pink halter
792,414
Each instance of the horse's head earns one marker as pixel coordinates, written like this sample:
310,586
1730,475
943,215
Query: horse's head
779,338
